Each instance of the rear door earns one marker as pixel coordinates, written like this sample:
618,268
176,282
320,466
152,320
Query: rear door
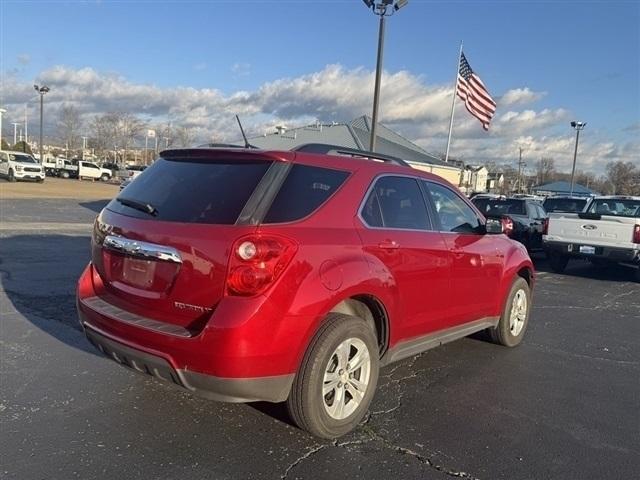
161,248
396,229
477,263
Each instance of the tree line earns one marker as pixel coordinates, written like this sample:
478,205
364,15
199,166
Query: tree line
619,178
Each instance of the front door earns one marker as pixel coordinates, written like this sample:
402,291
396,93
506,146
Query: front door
476,262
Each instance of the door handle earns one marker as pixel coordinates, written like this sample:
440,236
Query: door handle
389,244
458,253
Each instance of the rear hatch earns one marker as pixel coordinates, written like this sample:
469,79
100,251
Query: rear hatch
161,248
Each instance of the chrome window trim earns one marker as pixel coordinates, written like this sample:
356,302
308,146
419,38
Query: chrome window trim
136,248
394,229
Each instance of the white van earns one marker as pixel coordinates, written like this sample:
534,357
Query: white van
20,166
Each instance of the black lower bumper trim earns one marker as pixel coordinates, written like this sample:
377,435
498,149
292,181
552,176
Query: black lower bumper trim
234,390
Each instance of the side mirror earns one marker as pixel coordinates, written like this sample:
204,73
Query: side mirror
494,226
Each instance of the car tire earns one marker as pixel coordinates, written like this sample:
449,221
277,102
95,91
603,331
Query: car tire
557,261
515,315
64,174
11,176
105,177
322,397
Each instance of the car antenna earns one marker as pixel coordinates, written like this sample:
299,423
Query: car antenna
246,142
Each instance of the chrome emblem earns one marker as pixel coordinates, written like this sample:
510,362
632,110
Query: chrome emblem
589,226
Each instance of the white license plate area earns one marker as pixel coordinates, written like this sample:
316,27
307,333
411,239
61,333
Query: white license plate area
587,249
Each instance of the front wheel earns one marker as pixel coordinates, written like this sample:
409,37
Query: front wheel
337,378
105,177
64,174
515,315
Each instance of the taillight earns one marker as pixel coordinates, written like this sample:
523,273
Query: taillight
507,226
636,234
256,262
545,226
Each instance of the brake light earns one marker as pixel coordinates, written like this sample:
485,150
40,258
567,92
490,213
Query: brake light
545,226
636,234
256,262
507,226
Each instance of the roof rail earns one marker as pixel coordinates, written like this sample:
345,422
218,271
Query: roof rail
326,149
220,145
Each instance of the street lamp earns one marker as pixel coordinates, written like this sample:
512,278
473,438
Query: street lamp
382,8
2,111
42,91
577,126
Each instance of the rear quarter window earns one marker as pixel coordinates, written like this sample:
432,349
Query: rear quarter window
304,190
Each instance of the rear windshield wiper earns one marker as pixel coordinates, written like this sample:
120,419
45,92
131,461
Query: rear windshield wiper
141,206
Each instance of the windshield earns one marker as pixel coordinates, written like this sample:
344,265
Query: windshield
21,158
491,206
616,207
569,205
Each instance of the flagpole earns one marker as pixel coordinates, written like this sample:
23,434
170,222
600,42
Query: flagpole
453,103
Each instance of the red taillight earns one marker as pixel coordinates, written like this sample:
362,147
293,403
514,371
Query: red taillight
636,234
256,262
507,226
545,226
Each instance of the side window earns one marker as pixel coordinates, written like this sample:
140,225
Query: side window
304,190
396,202
455,215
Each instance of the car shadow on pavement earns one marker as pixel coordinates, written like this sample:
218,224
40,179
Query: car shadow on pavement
38,275
96,205
585,269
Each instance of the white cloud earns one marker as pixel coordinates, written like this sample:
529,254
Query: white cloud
24,59
519,96
241,69
416,109
198,67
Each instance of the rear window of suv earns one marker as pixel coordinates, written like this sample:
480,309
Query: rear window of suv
500,207
192,191
616,207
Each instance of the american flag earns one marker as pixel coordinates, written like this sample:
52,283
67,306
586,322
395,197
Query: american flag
475,95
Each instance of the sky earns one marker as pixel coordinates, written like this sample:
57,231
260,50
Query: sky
293,62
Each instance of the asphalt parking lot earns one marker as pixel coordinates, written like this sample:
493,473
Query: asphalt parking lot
565,404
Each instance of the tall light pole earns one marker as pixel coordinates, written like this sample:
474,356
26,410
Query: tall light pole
15,132
43,90
382,8
2,111
577,126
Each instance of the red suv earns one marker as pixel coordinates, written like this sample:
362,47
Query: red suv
246,275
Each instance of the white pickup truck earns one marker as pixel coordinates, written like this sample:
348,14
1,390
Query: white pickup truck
606,231
20,166
93,171
60,167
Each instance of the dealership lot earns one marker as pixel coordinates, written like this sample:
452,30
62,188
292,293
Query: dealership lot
565,404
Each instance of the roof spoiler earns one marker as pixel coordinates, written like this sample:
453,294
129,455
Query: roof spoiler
326,149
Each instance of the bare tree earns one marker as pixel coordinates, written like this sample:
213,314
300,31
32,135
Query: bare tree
183,137
624,178
69,126
545,170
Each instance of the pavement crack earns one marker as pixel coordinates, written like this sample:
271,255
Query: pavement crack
302,458
419,457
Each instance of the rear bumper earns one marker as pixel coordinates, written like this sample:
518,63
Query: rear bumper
248,350
612,254
272,389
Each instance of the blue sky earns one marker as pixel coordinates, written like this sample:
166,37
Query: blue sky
582,57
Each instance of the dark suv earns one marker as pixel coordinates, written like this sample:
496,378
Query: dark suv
247,275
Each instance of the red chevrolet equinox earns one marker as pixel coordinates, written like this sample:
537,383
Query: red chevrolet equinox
247,275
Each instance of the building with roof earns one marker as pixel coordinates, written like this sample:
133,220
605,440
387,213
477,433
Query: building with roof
356,134
562,188
474,179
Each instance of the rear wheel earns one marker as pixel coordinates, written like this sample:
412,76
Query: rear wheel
11,177
558,261
64,174
337,378
105,177
515,315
